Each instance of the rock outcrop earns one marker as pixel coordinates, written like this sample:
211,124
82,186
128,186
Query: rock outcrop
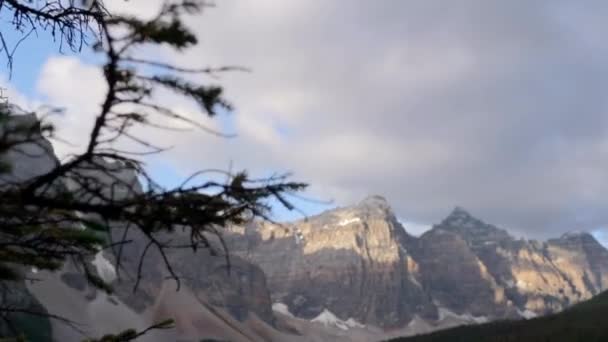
533,277
26,154
215,301
359,263
351,261
233,289
349,274
30,154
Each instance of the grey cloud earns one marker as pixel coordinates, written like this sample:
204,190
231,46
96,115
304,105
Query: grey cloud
497,106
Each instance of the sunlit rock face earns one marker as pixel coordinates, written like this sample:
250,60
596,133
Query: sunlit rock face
582,259
454,276
352,269
351,261
540,277
358,262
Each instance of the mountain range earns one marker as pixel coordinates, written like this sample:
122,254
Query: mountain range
349,274
360,264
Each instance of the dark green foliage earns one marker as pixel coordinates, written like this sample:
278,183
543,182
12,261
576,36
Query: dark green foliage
65,214
33,327
43,220
170,32
29,320
208,97
585,322
132,334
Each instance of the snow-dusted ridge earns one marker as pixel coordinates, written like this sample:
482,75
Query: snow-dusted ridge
446,313
348,221
527,314
327,318
574,234
104,267
281,308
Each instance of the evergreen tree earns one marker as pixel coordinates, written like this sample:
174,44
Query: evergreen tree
41,217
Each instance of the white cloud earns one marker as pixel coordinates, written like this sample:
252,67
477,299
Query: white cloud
78,88
499,107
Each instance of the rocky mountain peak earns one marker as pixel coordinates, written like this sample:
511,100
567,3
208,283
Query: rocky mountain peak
373,207
577,235
579,240
375,202
356,263
470,228
32,154
460,216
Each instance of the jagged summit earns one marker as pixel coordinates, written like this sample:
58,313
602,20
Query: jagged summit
357,262
374,205
458,210
578,238
371,207
459,214
375,201
576,234
472,229
460,217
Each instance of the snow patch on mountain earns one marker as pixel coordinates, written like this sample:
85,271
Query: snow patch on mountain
527,314
522,284
351,322
327,318
418,326
105,269
574,234
348,221
282,309
446,313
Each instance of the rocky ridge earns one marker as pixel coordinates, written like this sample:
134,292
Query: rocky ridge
360,264
213,303
350,274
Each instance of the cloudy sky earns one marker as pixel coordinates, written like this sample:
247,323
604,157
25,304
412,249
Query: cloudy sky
496,106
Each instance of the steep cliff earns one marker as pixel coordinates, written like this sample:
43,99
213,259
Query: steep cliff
29,156
528,276
210,288
351,262
214,302
351,273
360,265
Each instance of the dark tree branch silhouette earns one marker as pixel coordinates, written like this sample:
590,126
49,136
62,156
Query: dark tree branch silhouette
67,213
